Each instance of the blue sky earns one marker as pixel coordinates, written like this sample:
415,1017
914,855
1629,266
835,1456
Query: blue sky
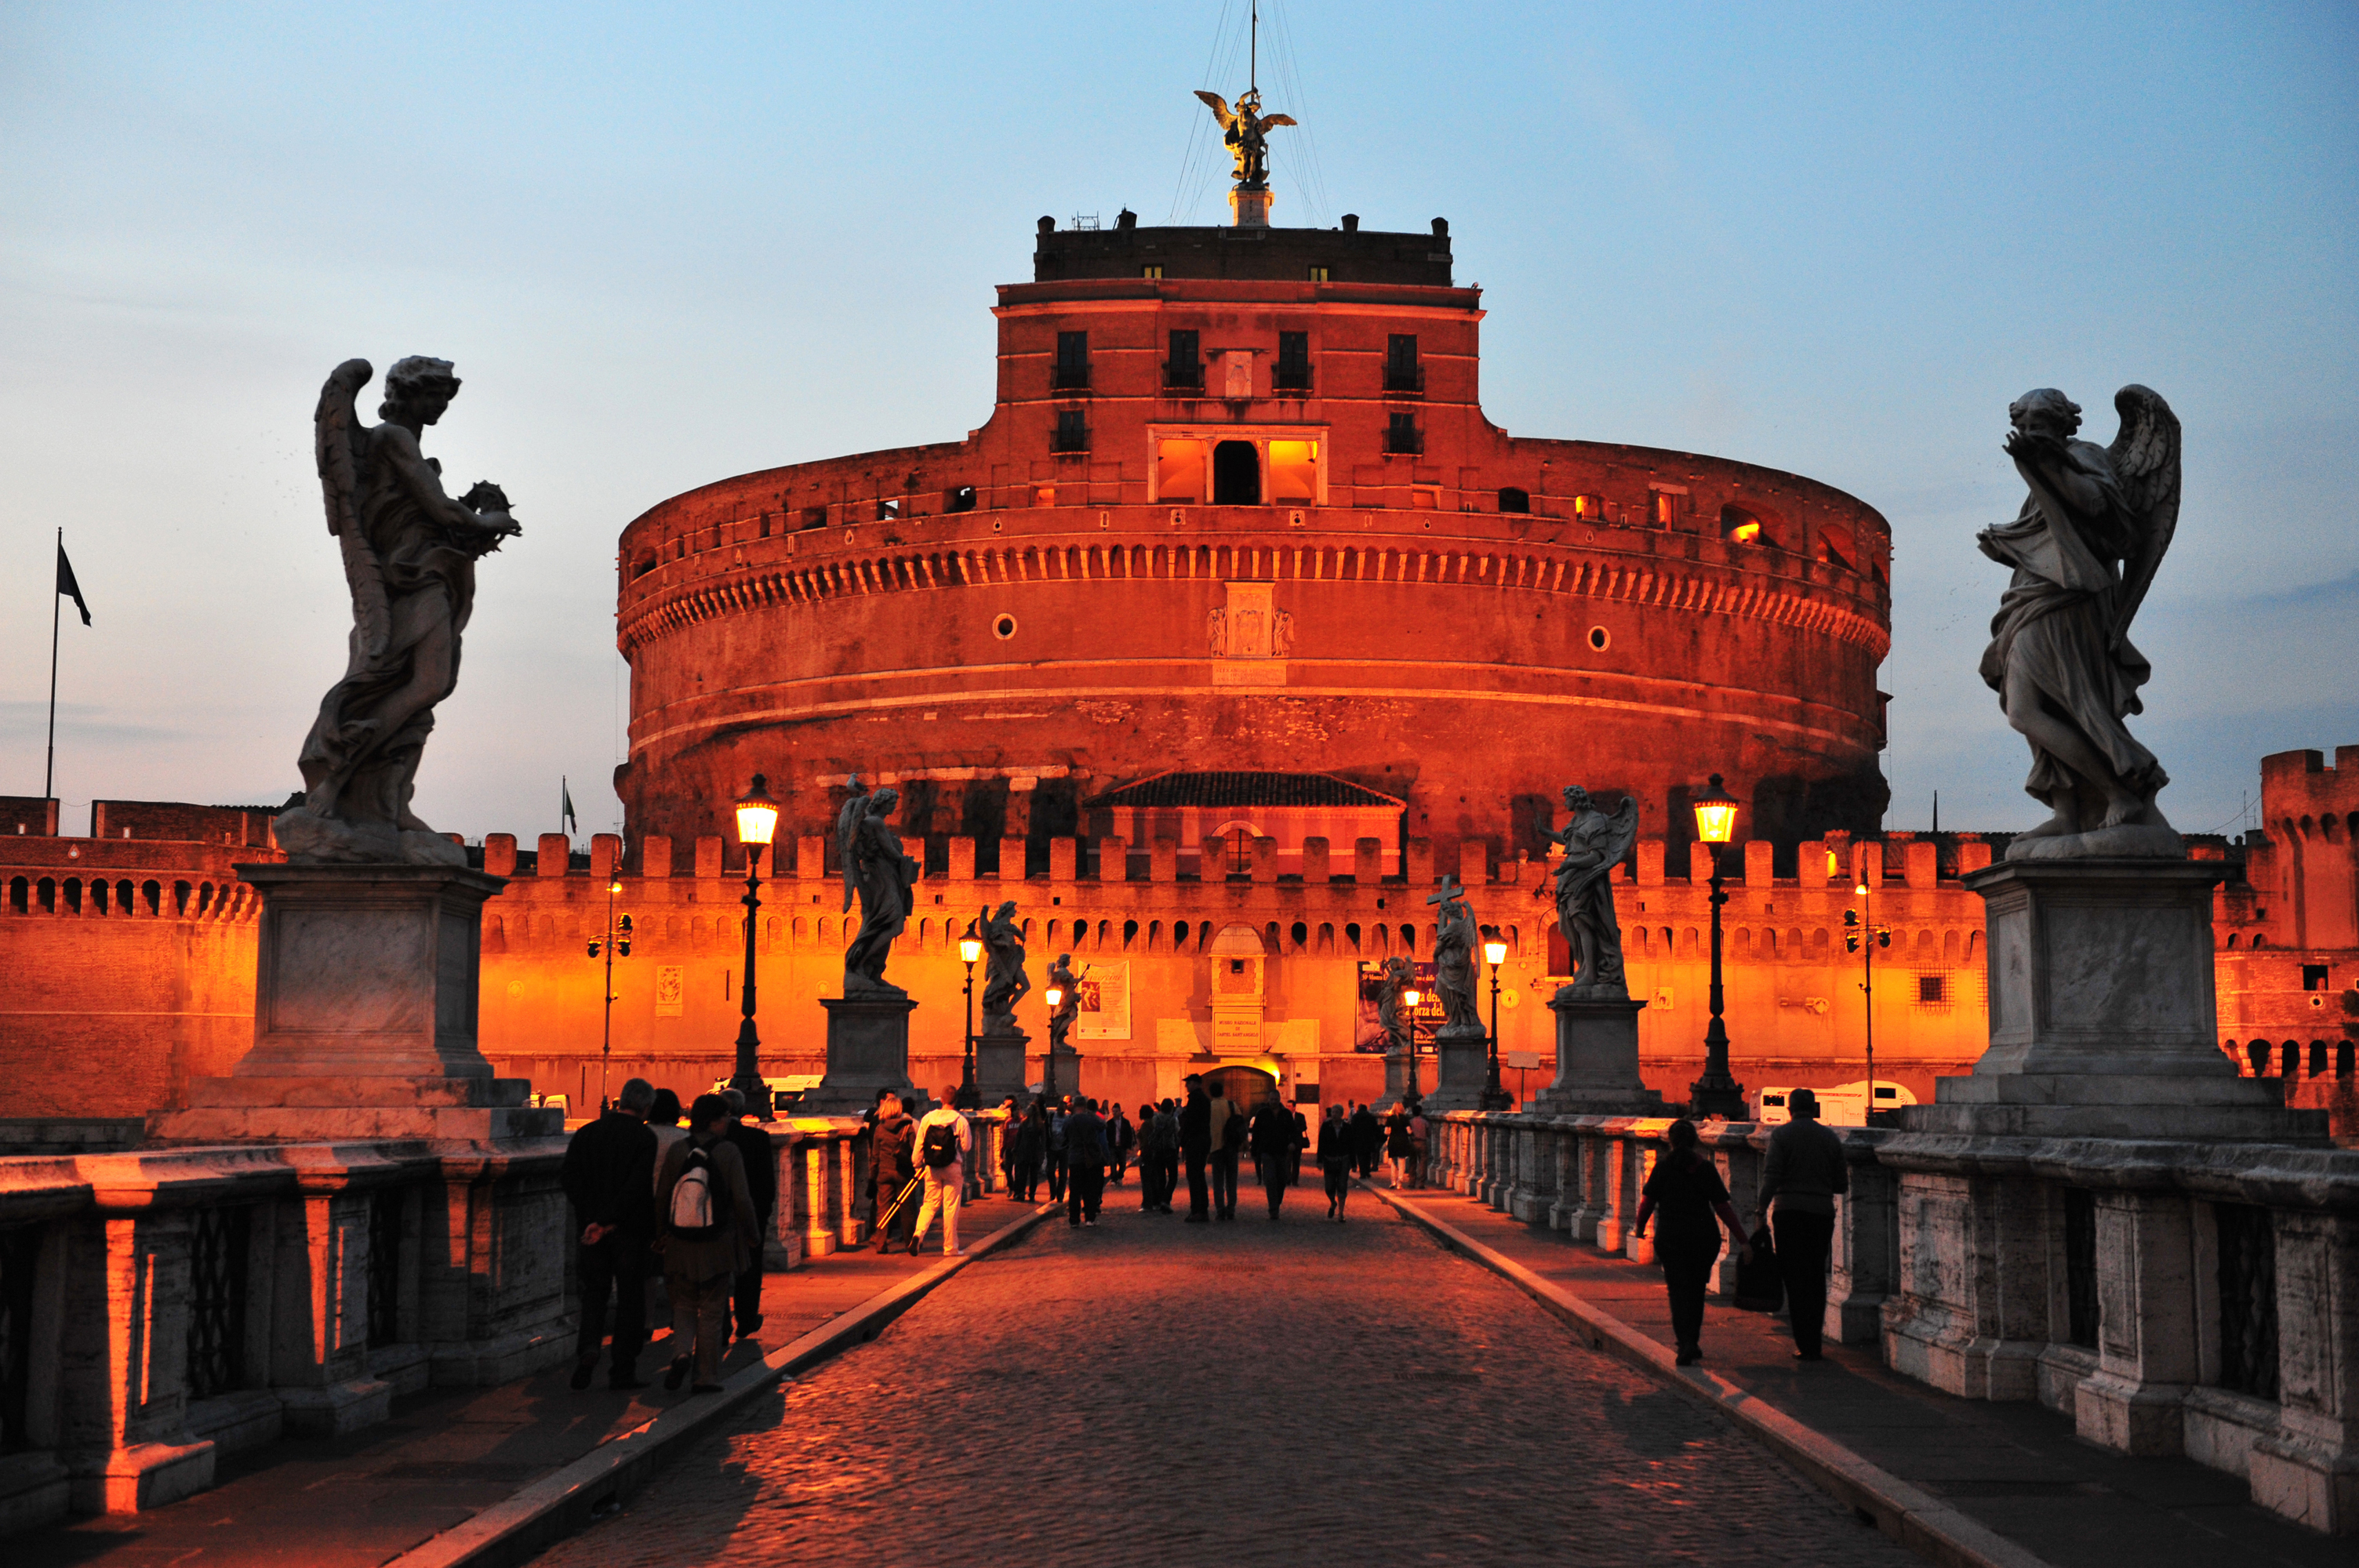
664,246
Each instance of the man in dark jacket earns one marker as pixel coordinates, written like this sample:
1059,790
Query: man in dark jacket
753,1146
610,1179
1274,1141
892,1161
1159,1156
1804,1171
1367,1140
1196,1147
1085,1163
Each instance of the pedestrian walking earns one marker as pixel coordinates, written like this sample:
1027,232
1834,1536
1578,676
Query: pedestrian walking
1009,1118
1271,1132
1085,1164
708,1235
1367,1140
1338,1154
1398,1146
1029,1145
1121,1138
609,1179
1686,1192
944,1145
892,1161
1804,1171
1294,1156
753,1145
1196,1145
1057,1112
1159,1156
1228,1127
1419,1133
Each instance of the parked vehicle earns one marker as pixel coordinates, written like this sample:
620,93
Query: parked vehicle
1844,1105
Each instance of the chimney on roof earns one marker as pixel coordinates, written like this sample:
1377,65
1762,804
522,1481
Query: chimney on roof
1441,228
1351,222
1125,220
1048,225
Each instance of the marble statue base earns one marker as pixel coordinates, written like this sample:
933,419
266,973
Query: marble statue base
312,839
365,993
1461,1057
867,1050
999,1066
1596,1059
1064,1069
2104,1022
2142,841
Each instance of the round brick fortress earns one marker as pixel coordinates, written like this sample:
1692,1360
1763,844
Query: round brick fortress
1238,508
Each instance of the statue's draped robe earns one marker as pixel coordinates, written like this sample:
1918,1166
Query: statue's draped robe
1585,901
1454,967
367,769
884,881
2055,623
1003,983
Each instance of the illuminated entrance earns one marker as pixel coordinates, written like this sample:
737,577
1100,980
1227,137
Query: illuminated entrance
1246,1087
1236,474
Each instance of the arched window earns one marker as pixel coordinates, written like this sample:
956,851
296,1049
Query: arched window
1739,527
2256,1055
1514,500
2318,1058
2290,1059
1301,935
1129,933
1351,932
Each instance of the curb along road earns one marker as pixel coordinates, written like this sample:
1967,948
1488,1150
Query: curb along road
1917,1519
561,1503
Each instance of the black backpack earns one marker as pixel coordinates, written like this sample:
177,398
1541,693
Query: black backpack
941,1147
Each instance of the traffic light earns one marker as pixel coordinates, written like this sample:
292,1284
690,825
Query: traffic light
622,939
595,946
1851,918
1884,936
1850,942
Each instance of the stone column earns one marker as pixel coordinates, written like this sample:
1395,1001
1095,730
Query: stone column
2305,1470
1867,1242
1621,1197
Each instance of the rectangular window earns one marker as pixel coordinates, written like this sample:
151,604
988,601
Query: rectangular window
1185,367
1587,506
1072,360
1666,508
1180,470
1073,431
2313,977
1152,269
1933,989
1401,434
1293,371
1293,471
1319,274
1402,373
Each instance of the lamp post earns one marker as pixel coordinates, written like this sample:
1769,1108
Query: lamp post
1864,936
1717,1092
615,943
1409,998
1049,1058
970,1097
757,819
1494,1094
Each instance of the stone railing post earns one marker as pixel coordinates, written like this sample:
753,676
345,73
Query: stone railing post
1866,1243
1737,1150
782,1244
2307,1470
1594,1161
1646,1146
820,1200
1565,1201
1619,1189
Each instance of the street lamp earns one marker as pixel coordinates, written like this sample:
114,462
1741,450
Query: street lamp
1496,1096
757,819
1410,999
1717,1092
970,1097
1049,1058
616,944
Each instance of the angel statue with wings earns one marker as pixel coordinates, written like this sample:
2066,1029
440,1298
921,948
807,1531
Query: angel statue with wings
2084,549
1243,129
1595,843
873,866
410,560
1004,983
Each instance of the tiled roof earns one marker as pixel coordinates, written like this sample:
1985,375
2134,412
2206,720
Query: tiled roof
1248,790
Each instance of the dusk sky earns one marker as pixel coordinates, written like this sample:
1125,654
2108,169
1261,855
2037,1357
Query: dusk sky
668,244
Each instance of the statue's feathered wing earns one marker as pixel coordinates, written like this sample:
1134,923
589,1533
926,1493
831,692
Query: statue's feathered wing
1267,121
1219,107
847,839
337,441
1624,834
2146,464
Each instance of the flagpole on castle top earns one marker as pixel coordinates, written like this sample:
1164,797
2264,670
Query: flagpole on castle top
49,772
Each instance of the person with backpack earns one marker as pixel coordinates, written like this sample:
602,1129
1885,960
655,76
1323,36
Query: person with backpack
1338,1156
1228,1127
609,1178
892,1163
944,1143
754,1146
710,1233
1686,1190
1085,1163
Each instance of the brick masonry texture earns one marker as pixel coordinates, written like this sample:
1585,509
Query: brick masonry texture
1154,1392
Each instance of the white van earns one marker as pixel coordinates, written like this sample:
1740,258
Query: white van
1844,1105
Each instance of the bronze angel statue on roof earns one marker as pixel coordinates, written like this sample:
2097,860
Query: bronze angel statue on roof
872,865
410,560
2084,549
1243,129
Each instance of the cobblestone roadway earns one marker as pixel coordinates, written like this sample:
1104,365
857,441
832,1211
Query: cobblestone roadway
1155,1393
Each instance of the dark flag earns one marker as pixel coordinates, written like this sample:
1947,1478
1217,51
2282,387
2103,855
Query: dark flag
565,807
66,584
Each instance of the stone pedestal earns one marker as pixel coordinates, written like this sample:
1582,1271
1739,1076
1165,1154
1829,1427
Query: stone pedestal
365,1015
2102,1016
867,1050
999,1066
1461,1067
1596,1060
1068,1065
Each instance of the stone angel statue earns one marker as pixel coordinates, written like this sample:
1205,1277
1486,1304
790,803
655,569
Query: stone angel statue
1243,129
1068,987
409,555
2085,547
1004,982
1392,983
1595,843
874,864
1455,935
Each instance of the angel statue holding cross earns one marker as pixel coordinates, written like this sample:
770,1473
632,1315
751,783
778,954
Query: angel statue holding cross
1453,960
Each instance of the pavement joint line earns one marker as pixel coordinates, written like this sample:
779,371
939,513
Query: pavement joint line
561,1503
1928,1526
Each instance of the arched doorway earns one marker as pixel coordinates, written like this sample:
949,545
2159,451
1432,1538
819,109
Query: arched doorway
1236,474
1242,1086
